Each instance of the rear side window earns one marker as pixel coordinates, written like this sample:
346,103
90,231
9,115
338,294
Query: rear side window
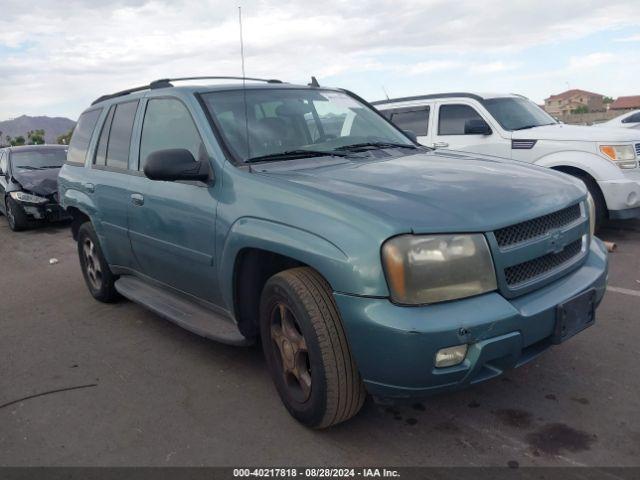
168,124
82,136
413,119
635,118
120,135
453,117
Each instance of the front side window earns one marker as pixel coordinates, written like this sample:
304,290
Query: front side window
413,119
82,136
517,113
635,118
40,159
265,122
168,125
453,118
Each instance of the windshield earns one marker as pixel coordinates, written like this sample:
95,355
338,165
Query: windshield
38,159
517,113
286,121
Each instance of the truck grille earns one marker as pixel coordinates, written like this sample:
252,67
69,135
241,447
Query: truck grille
537,267
538,227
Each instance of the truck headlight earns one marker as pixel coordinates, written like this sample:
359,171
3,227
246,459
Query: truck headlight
592,214
27,197
623,155
433,268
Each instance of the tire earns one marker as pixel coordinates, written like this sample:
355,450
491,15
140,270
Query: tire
598,199
302,332
95,269
16,218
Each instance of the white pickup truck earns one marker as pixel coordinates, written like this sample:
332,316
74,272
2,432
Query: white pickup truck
511,126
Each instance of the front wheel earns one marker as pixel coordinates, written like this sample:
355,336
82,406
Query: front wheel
598,200
95,269
16,217
307,351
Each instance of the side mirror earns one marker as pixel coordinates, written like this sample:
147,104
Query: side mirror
477,126
175,164
411,135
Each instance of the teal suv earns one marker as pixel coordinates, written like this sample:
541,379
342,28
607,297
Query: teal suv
298,216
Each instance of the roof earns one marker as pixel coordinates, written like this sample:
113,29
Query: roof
29,148
476,96
571,93
624,103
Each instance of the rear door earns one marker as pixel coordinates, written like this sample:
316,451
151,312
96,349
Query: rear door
172,224
449,130
108,181
414,119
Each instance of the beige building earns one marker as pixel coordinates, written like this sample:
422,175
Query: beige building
565,102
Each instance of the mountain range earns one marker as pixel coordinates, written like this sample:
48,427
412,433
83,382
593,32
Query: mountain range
53,127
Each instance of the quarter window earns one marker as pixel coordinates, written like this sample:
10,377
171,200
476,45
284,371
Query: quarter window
453,117
168,125
415,120
82,136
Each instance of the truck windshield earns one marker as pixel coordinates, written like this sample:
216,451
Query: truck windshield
38,159
295,123
517,113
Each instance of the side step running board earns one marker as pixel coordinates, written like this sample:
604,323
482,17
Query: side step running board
181,310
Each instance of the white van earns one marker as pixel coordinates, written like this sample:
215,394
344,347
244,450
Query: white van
511,126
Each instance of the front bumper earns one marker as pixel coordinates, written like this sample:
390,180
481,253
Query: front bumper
395,347
623,196
49,212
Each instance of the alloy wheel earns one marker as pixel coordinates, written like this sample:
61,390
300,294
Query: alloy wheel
291,352
92,263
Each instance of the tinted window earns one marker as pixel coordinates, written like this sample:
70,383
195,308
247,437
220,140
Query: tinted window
101,151
453,117
82,136
120,135
168,124
635,118
517,113
415,121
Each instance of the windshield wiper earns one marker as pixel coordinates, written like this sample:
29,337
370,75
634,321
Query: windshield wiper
27,167
294,154
533,126
376,145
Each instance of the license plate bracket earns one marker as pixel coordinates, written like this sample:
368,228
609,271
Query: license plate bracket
574,315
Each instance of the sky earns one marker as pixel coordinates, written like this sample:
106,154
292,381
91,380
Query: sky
57,56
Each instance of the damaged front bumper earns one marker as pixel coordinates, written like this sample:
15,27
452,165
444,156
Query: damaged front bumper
395,347
50,211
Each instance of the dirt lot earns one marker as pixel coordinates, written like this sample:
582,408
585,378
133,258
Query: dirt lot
154,394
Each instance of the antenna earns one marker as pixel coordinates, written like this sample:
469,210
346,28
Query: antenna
385,92
244,85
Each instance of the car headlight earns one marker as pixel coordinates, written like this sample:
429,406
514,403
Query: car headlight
433,268
27,197
623,155
592,214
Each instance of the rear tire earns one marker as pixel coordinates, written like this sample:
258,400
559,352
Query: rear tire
16,217
307,351
95,269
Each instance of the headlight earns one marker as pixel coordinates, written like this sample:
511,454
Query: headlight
27,197
434,268
623,155
592,214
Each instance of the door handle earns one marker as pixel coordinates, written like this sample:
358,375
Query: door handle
137,199
440,144
89,187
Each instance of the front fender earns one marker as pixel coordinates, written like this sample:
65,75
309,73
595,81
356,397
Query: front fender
599,168
336,266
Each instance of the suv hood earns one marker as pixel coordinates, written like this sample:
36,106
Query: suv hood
40,182
577,133
441,192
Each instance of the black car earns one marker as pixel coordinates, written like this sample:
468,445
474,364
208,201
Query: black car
29,184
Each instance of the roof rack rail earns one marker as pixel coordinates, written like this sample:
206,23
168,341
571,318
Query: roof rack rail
166,83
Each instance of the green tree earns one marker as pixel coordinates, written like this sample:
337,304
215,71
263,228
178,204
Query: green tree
581,109
35,137
607,100
18,141
65,139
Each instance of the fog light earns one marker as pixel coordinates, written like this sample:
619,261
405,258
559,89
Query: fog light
450,356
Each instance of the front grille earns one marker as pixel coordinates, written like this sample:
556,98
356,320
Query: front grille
637,149
532,269
537,227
